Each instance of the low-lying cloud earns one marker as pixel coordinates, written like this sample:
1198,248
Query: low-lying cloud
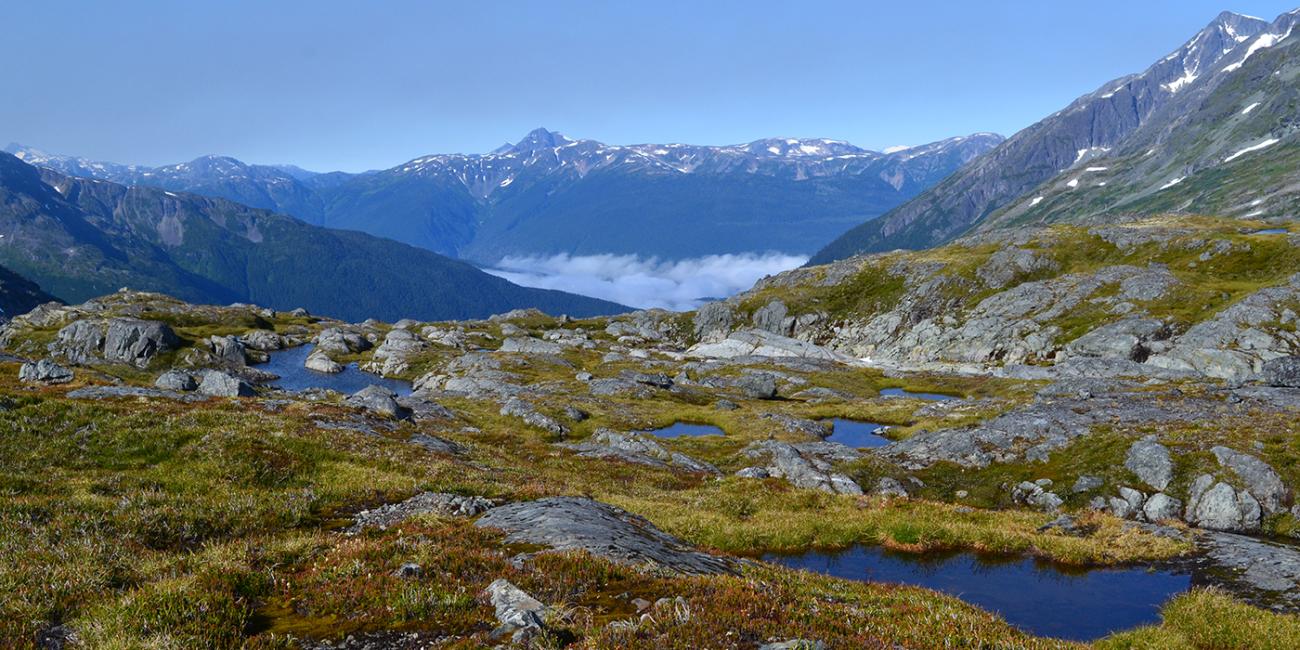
646,282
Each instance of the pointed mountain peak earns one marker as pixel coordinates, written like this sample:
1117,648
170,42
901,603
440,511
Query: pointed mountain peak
540,138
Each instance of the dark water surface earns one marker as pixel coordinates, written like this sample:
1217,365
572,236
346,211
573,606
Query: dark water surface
680,429
857,433
1271,231
1037,597
295,377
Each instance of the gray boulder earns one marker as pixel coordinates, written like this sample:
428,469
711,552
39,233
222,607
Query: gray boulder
1217,506
1151,462
320,362
580,524
1260,480
215,383
889,487
178,380
228,350
713,322
757,385
79,341
137,342
1161,506
377,400
1130,339
336,340
44,371
1035,494
772,318
529,345
1086,483
262,341
794,644
520,615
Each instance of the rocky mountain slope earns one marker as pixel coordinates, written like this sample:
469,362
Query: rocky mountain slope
1216,110
551,194
18,295
1164,296
80,237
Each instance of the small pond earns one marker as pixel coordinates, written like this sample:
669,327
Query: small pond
857,433
1035,596
899,392
686,429
295,377
1271,231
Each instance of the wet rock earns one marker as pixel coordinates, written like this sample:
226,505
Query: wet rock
378,400
435,503
580,524
320,362
44,371
1260,480
520,615
637,448
178,380
1151,462
1258,571
215,383
515,407
802,470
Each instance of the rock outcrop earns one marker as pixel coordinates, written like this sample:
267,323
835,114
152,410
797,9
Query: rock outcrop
580,524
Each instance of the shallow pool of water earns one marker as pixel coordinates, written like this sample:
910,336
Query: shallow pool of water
295,377
686,429
1038,597
899,392
1271,231
857,433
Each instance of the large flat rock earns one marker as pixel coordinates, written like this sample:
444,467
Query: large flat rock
580,524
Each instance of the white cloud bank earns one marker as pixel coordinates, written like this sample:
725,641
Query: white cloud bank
639,282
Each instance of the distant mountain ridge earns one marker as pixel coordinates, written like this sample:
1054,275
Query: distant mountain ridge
18,295
552,194
80,238
1126,147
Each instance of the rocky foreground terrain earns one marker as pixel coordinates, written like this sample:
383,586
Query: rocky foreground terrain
1126,394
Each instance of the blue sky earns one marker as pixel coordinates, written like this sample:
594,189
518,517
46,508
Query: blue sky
359,85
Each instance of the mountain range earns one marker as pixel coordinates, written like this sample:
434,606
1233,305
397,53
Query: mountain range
80,238
549,194
1207,129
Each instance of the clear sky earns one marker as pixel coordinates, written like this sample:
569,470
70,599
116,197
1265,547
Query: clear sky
358,85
